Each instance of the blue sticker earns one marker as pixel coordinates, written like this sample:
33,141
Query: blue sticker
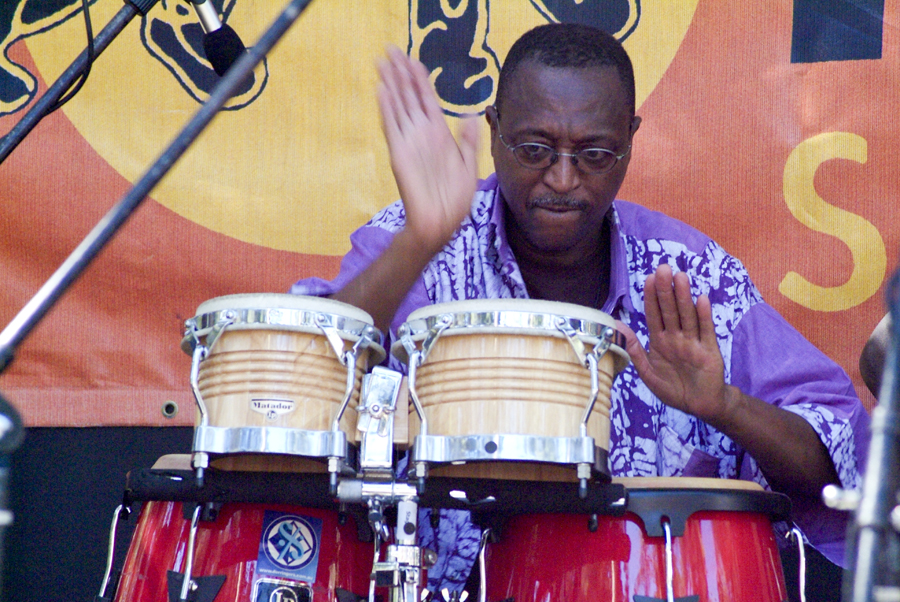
289,546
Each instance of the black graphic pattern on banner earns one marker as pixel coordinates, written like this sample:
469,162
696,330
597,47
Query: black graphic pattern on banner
451,40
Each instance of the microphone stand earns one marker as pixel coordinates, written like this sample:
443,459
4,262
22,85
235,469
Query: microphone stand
45,103
75,264
874,565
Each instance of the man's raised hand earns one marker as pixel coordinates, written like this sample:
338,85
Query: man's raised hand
435,174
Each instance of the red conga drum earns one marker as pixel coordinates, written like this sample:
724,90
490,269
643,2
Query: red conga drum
250,552
723,548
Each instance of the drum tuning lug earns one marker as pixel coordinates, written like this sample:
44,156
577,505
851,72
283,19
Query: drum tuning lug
421,471
200,462
373,334
334,467
583,472
124,511
593,523
895,518
563,326
840,499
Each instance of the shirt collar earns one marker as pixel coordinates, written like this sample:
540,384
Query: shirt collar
618,272
497,225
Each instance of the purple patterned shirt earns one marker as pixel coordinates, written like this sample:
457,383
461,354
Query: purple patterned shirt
764,356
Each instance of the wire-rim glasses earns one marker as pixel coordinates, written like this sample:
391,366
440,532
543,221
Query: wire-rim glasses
534,155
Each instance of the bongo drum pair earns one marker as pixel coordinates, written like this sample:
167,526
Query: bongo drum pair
499,381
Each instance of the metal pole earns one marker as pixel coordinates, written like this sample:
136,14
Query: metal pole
880,482
75,264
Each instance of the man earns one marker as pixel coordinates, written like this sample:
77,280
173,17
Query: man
720,386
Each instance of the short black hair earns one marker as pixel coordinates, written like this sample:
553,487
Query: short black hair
568,45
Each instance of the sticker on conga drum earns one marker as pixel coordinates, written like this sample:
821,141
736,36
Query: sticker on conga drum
272,408
276,590
289,546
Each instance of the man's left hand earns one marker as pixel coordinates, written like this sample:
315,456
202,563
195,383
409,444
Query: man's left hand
684,366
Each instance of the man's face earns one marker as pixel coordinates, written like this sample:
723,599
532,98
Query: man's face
560,208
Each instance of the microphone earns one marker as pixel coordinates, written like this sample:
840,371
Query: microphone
222,45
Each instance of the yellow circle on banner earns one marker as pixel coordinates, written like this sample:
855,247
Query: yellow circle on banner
303,163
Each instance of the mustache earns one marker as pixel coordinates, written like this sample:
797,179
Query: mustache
557,202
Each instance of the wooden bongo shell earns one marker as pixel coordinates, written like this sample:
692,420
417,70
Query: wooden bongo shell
511,381
259,368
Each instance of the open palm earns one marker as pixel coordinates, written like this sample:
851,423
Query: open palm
436,176
684,365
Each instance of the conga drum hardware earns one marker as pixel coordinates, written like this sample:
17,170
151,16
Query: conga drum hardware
796,536
275,374
187,582
445,595
511,380
109,583
401,569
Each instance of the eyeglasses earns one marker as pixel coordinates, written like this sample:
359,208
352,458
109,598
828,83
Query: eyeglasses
534,155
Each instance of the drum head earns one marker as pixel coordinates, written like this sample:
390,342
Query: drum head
283,301
279,311
526,317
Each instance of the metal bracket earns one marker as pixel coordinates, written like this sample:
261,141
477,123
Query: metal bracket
375,421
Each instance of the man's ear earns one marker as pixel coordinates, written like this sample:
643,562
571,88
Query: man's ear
635,124
493,118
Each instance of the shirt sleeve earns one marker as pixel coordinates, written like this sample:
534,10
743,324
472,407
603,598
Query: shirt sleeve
775,363
367,244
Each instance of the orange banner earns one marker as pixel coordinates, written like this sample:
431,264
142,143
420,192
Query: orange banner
769,127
